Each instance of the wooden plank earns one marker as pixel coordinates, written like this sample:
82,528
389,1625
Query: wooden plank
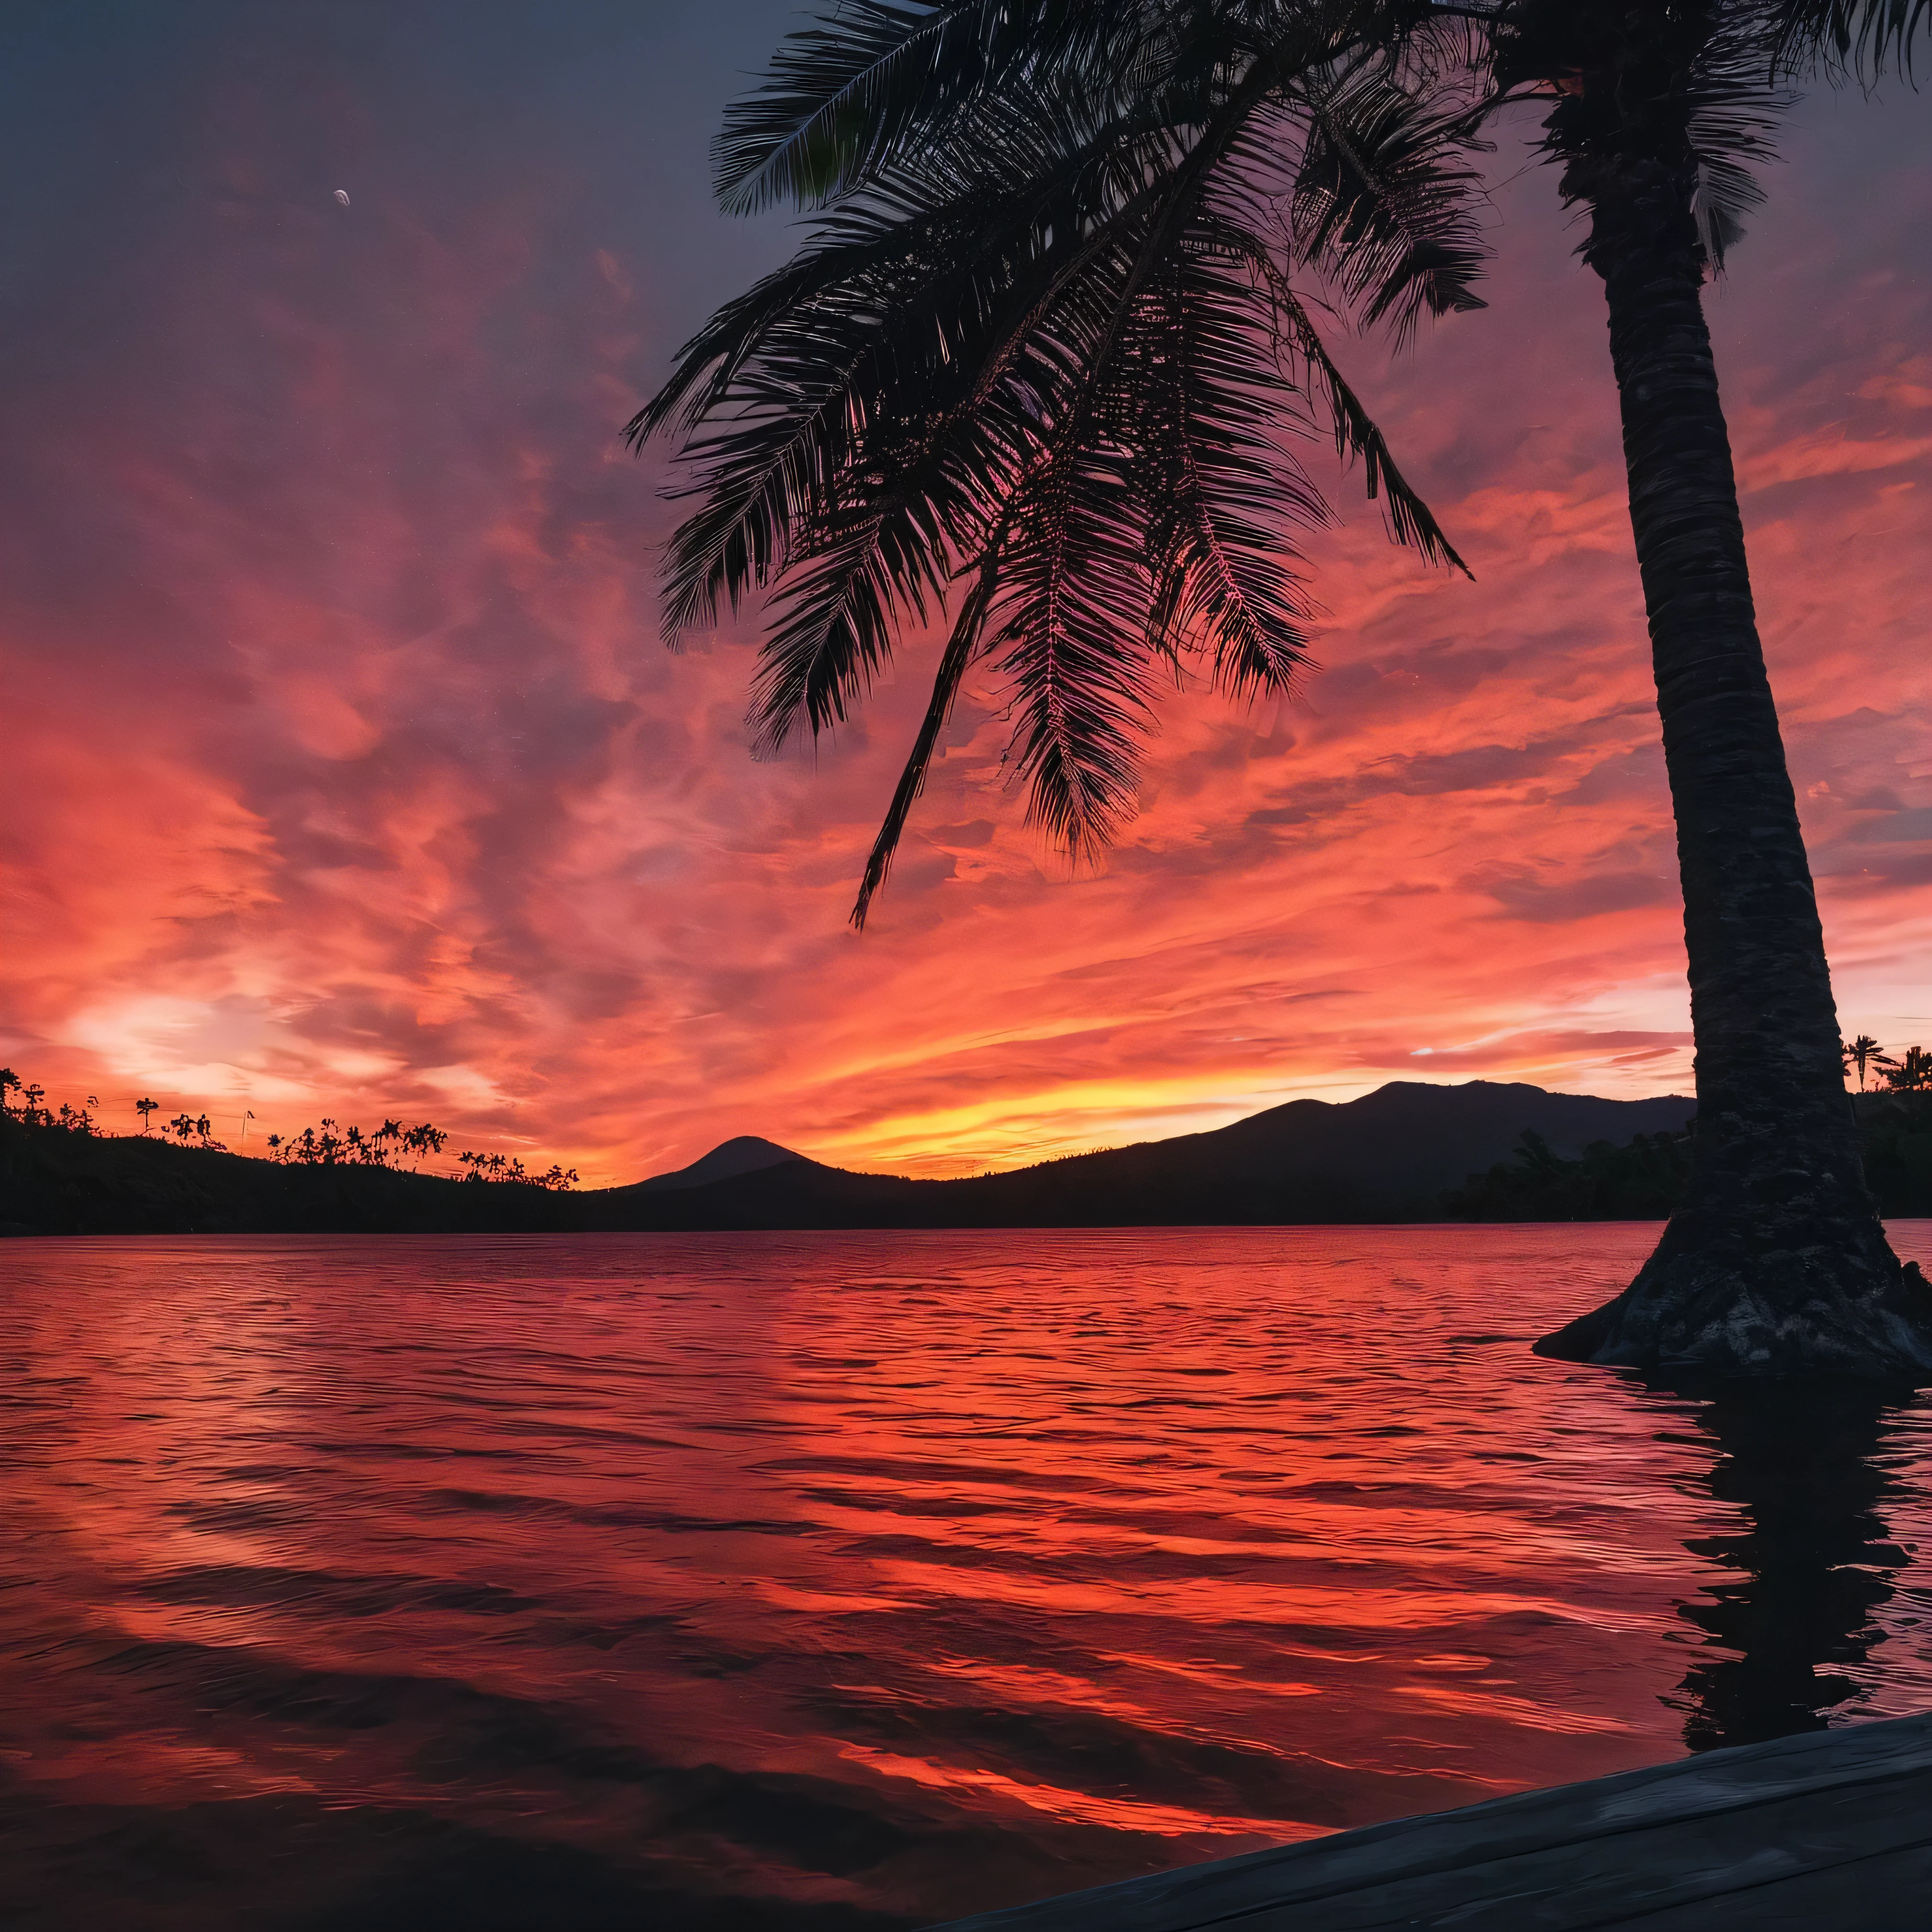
1660,1840
1879,1894
1625,1876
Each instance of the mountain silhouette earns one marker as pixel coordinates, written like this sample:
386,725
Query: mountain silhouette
1388,1157
745,1153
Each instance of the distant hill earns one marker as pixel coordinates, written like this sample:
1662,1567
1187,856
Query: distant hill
55,1183
745,1154
1390,1156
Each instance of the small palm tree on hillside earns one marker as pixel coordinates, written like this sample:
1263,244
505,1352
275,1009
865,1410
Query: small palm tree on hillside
1043,356
1863,1054
1912,1074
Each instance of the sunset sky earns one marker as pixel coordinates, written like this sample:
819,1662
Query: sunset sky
346,772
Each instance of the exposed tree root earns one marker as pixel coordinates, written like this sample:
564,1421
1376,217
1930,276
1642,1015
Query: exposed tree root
1746,1311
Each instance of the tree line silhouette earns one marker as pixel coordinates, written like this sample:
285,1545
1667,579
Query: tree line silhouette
1912,1074
332,1145
387,1145
1645,1179
1894,1121
1648,1179
29,1112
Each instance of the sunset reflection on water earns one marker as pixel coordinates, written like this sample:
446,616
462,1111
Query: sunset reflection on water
832,1580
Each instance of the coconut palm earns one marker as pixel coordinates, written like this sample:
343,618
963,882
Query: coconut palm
1912,1074
1864,1053
1778,1262
1058,311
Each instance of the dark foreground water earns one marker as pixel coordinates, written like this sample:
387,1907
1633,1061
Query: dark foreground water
866,1579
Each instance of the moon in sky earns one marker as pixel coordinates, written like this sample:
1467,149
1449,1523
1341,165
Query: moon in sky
342,196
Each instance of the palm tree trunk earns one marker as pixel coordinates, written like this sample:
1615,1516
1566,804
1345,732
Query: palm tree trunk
1778,1264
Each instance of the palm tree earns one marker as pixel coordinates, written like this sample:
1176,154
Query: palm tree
1864,1053
1042,348
1912,1074
1778,1262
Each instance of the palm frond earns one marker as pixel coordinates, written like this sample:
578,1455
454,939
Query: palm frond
1072,610
778,487
845,94
960,648
1045,335
881,317
1732,113
836,632
1727,192
1383,203
1220,494
1864,38
860,261
1299,347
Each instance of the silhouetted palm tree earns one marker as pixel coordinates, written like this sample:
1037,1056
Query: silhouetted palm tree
1912,1074
1045,344
1863,1053
1777,1261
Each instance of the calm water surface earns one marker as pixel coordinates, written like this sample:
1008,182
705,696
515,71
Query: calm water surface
863,1580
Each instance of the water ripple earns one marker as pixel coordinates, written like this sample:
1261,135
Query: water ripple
854,1581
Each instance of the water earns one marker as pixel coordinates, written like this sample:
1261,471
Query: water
867,1579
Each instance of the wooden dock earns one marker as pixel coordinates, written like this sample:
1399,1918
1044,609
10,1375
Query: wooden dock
1831,1831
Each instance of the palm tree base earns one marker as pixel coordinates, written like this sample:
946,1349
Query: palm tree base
1739,1311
